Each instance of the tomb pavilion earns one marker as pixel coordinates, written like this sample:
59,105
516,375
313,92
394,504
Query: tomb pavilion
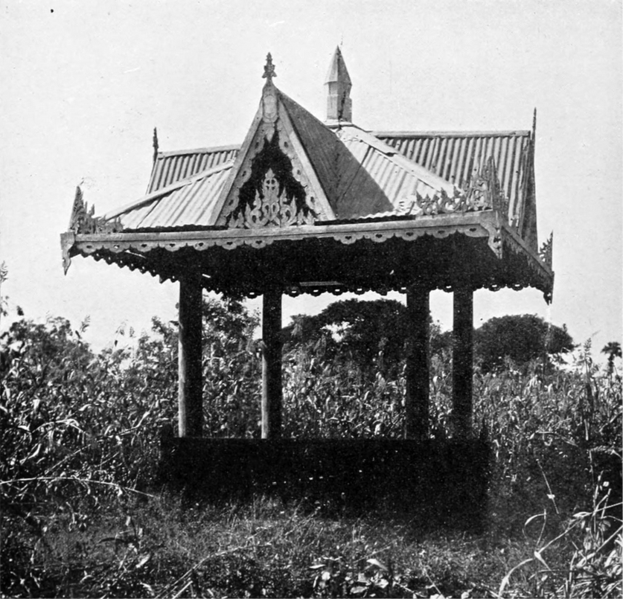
314,206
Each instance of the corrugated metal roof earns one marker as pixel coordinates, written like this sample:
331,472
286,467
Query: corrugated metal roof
362,173
453,156
320,143
171,167
457,156
192,204
377,178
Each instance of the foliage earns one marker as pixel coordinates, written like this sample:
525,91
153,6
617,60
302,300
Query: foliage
591,543
518,338
613,351
370,335
78,460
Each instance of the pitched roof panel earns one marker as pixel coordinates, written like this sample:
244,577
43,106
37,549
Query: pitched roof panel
458,156
362,173
379,177
190,204
171,167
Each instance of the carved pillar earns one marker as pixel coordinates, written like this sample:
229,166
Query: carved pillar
190,404
271,364
417,365
463,362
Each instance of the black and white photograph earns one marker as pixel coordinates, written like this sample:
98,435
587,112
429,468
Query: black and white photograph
311,298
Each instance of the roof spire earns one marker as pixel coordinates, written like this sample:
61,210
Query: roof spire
269,69
339,104
534,124
155,144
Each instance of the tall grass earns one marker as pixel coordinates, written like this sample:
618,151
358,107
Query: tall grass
81,516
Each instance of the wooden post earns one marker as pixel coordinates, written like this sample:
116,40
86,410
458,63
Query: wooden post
417,365
271,364
463,362
190,404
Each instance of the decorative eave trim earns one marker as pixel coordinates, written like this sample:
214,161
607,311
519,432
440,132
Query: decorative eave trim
538,264
477,224
474,224
131,250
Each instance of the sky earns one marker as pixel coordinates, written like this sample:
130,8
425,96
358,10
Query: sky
85,82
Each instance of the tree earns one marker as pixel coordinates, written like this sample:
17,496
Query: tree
368,335
520,338
612,350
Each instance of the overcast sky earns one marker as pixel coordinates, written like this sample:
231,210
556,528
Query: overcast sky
85,82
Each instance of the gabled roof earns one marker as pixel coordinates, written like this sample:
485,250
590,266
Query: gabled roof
455,157
190,202
353,174
171,167
458,156
303,203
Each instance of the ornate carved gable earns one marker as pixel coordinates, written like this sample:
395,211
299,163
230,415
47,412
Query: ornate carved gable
271,189
274,183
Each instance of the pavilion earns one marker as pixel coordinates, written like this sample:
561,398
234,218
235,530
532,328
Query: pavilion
305,206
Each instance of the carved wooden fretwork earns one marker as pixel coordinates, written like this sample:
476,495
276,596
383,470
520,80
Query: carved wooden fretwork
547,250
484,190
83,220
271,207
440,203
483,193
271,191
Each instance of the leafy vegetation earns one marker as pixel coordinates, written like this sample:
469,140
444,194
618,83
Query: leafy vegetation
82,514
520,339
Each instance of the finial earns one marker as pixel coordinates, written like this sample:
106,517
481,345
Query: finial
155,141
339,104
534,125
269,69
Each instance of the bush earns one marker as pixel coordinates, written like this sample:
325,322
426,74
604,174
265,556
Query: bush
520,339
79,438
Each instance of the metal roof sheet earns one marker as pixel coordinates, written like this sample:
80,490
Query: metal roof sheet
377,178
192,204
171,167
362,173
320,143
457,156
454,156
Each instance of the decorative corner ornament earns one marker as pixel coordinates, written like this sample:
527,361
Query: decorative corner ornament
67,242
485,191
84,221
547,250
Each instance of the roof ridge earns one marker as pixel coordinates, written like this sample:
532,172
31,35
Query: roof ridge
204,150
517,132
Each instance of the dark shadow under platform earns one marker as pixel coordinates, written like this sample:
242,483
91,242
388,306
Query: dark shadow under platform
443,482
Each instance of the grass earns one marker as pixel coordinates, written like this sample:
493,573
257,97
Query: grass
158,547
78,444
